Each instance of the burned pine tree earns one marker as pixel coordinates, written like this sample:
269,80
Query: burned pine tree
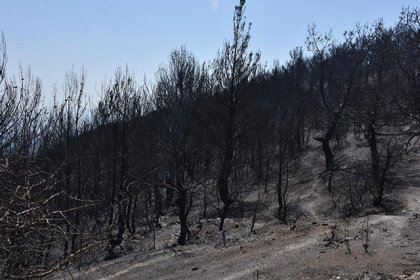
233,68
181,88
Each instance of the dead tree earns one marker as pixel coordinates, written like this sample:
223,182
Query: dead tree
117,109
180,91
233,68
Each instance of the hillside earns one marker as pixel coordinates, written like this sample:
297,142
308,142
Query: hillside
220,169
322,246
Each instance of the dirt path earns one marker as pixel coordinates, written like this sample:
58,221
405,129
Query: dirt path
281,255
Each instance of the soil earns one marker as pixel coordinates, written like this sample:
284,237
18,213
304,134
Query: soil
321,246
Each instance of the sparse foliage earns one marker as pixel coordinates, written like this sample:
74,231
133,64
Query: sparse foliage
228,138
234,67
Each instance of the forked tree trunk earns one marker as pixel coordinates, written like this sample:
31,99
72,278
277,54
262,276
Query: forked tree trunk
325,141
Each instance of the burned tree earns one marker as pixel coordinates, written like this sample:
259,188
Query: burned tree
180,91
233,69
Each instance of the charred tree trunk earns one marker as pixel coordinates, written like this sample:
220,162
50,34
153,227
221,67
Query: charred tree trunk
158,205
133,211
226,169
129,210
325,141
279,192
169,195
379,172
259,156
377,198
111,239
182,204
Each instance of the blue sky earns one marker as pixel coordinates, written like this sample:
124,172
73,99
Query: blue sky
54,36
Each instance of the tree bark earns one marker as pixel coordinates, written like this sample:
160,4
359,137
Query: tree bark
182,202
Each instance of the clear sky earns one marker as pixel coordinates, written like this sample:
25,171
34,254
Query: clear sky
53,36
